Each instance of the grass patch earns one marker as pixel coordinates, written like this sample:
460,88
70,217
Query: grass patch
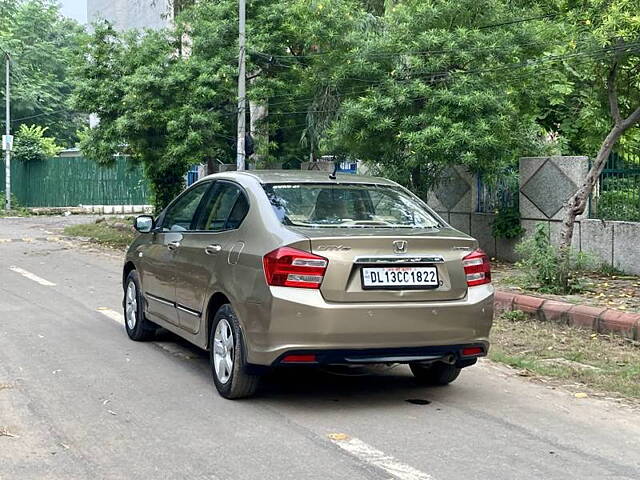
604,363
17,210
109,233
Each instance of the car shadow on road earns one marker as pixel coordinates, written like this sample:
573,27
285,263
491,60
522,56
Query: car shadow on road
350,386
342,387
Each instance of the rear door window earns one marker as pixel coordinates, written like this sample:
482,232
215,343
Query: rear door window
225,209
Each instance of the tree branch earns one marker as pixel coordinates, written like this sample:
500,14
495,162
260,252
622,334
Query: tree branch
613,95
255,74
632,119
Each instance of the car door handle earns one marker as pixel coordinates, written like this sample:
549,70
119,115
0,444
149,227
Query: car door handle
213,249
173,245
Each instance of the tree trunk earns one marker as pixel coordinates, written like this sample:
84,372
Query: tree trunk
578,202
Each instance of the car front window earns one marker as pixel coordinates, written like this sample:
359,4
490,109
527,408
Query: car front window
179,216
347,205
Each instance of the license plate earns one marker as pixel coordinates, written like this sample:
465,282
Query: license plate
400,278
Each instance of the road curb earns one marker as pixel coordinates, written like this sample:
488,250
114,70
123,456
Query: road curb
598,319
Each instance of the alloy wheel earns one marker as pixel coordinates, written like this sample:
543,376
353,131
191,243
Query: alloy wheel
131,302
223,351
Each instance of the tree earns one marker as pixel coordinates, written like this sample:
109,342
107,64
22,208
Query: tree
438,84
42,44
412,87
168,111
165,111
32,145
613,27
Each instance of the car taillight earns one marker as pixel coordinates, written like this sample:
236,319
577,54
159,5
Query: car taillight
472,351
300,359
477,268
290,267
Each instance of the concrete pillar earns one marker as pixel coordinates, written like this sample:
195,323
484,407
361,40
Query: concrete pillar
546,183
455,197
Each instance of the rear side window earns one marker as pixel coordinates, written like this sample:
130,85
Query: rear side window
356,205
225,208
239,211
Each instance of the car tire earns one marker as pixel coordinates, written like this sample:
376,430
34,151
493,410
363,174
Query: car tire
227,356
437,373
137,326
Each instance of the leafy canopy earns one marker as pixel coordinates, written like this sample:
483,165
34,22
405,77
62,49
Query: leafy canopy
169,98
32,145
436,84
597,35
411,87
42,45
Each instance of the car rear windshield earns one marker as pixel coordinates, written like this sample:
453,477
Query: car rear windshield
347,205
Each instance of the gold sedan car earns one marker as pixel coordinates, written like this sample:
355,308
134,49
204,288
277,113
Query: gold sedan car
276,268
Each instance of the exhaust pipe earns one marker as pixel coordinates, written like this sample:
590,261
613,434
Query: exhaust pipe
449,359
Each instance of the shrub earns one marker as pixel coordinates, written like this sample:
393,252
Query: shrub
514,316
506,223
16,208
31,145
541,264
620,205
610,270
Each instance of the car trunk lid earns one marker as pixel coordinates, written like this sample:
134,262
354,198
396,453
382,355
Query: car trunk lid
350,250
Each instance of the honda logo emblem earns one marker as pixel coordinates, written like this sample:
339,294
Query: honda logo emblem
400,246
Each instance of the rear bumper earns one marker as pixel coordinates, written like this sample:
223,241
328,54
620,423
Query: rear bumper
301,321
454,354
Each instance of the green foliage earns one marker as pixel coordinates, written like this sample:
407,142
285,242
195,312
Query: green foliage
506,223
168,110
610,270
619,197
541,264
577,104
138,88
108,233
42,44
429,92
619,205
503,195
514,316
16,208
409,87
31,145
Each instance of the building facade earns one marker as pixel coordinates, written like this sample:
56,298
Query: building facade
131,14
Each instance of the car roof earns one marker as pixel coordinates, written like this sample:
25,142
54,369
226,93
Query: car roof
302,176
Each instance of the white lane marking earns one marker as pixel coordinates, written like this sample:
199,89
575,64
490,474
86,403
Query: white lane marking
31,276
112,314
375,457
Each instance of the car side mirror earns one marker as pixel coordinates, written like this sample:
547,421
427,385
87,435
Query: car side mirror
144,223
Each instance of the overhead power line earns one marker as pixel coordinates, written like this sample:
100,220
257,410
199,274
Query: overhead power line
581,56
44,114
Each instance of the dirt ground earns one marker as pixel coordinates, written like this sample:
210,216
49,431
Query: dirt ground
575,359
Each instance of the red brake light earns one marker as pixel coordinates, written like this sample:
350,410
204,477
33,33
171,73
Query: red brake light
299,359
477,268
290,267
472,351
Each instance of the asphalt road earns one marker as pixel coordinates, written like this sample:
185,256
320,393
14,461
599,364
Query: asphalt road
79,400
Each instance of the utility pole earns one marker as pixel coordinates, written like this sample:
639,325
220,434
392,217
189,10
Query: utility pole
8,142
242,89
